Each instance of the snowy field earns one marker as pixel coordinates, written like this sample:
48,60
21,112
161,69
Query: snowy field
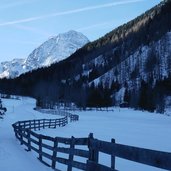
126,126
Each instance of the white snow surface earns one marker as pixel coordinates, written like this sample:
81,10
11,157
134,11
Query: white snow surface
53,50
12,68
13,157
126,126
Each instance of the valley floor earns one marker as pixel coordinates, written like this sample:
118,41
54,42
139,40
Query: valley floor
126,126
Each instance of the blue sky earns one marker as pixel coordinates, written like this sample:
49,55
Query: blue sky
25,24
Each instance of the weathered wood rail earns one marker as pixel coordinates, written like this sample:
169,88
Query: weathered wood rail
49,148
73,117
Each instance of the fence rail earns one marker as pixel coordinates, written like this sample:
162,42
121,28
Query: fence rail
38,143
73,117
48,148
140,155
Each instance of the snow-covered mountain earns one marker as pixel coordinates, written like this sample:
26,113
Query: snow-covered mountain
141,129
130,65
12,68
53,50
147,61
56,49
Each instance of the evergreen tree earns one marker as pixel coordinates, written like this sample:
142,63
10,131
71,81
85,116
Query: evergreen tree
127,96
146,100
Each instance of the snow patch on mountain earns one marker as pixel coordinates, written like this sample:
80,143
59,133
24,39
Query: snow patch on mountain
142,64
12,68
56,49
53,50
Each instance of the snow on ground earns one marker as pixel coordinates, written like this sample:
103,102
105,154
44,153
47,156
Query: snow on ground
129,127
126,126
12,155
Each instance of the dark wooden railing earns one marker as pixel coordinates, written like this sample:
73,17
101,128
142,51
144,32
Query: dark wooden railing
48,148
73,117
41,143
140,155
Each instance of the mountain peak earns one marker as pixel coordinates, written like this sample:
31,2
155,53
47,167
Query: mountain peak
53,50
56,48
71,32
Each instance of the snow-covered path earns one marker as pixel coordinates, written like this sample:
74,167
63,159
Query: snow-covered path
135,128
126,126
13,157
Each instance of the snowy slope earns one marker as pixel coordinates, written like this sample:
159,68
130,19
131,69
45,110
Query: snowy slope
127,126
12,156
56,49
12,68
53,50
139,61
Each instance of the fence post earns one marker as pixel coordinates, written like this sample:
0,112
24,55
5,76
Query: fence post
113,157
29,124
14,127
43,123
50,123
15,133
34,125
24,126
54,153
55,123
39,124
65,120
93,153
29,141
40,148
89,146
59,122
71,156
20,131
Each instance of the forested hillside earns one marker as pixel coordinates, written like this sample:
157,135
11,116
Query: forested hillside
130,64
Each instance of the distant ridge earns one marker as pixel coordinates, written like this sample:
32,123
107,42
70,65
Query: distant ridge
130,66
53,50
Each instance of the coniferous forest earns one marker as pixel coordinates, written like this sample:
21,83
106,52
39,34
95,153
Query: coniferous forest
130,65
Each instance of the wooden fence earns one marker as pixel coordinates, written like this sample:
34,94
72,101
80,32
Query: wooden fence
41,144
144,156
73,117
